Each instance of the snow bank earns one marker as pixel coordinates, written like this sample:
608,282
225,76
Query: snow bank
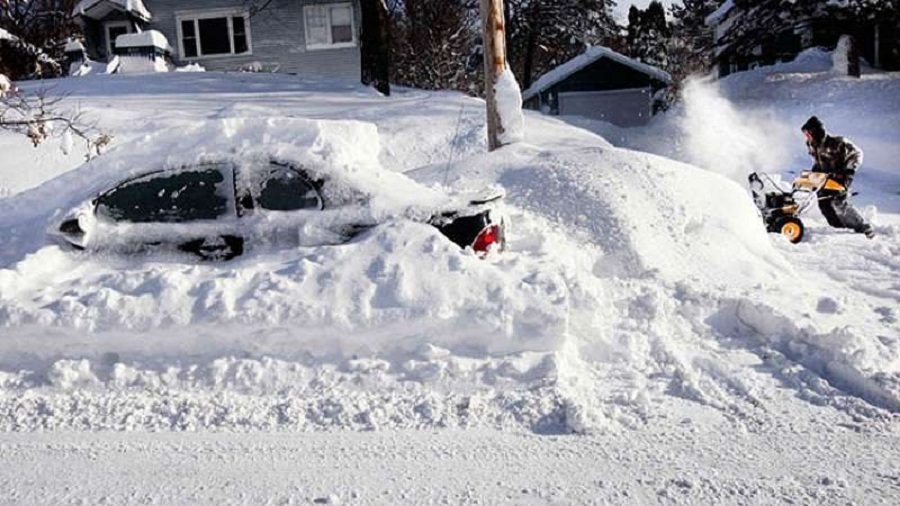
648,215
635,290
396,275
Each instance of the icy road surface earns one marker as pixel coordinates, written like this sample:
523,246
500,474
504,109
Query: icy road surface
682,466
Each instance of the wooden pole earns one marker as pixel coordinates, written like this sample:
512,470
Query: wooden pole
494,64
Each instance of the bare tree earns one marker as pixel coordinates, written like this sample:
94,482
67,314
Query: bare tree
40,117
435,43
37,32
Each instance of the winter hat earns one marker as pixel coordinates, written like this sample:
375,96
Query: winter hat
815,127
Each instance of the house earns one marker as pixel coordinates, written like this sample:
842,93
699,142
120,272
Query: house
307,37
878,40
599,84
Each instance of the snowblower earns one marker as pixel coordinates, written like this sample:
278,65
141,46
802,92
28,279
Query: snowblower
781,208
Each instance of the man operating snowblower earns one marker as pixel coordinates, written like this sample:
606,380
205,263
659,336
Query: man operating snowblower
839,158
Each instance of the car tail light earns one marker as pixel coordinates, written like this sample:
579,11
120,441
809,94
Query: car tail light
491,235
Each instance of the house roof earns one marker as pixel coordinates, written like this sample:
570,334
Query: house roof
592,54
98,9
719,14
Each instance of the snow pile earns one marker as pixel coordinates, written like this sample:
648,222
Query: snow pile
647,215
509,106
191,67
91,67
635,290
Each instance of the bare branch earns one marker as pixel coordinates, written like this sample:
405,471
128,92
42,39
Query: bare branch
39,117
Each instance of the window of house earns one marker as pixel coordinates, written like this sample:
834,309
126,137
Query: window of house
329,26
113,30
213,33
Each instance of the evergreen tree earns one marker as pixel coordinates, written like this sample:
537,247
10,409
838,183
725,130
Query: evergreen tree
693,42
648,34
542,34
38,29
761,27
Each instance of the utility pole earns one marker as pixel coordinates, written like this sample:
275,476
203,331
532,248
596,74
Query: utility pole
494,28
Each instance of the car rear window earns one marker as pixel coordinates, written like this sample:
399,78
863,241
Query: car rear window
282,188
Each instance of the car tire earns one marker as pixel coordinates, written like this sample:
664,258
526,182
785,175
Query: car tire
221,248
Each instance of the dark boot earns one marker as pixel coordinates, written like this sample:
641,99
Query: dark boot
840,213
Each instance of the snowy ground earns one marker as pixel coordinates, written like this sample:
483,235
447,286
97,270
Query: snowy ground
640,305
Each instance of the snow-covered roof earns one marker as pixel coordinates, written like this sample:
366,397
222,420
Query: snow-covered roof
719,14
581,61
98,9
73,45
144,39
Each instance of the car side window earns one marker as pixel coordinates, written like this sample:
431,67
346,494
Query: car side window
170,196
282,188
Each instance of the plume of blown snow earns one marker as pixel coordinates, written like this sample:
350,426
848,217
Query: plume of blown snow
730,141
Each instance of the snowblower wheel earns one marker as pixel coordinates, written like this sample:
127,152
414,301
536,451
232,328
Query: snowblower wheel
793,229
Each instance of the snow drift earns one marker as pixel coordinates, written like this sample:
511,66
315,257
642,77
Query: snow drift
635,289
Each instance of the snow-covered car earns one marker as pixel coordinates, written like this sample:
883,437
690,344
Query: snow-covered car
316,189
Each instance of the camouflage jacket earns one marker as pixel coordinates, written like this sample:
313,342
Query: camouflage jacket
836,156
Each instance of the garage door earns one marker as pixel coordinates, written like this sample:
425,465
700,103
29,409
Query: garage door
620,107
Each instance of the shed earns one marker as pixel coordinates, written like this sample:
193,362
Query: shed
599,84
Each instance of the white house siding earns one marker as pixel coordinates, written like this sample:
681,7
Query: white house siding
278,42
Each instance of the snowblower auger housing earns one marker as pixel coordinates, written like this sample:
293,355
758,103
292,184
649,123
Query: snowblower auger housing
780,208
